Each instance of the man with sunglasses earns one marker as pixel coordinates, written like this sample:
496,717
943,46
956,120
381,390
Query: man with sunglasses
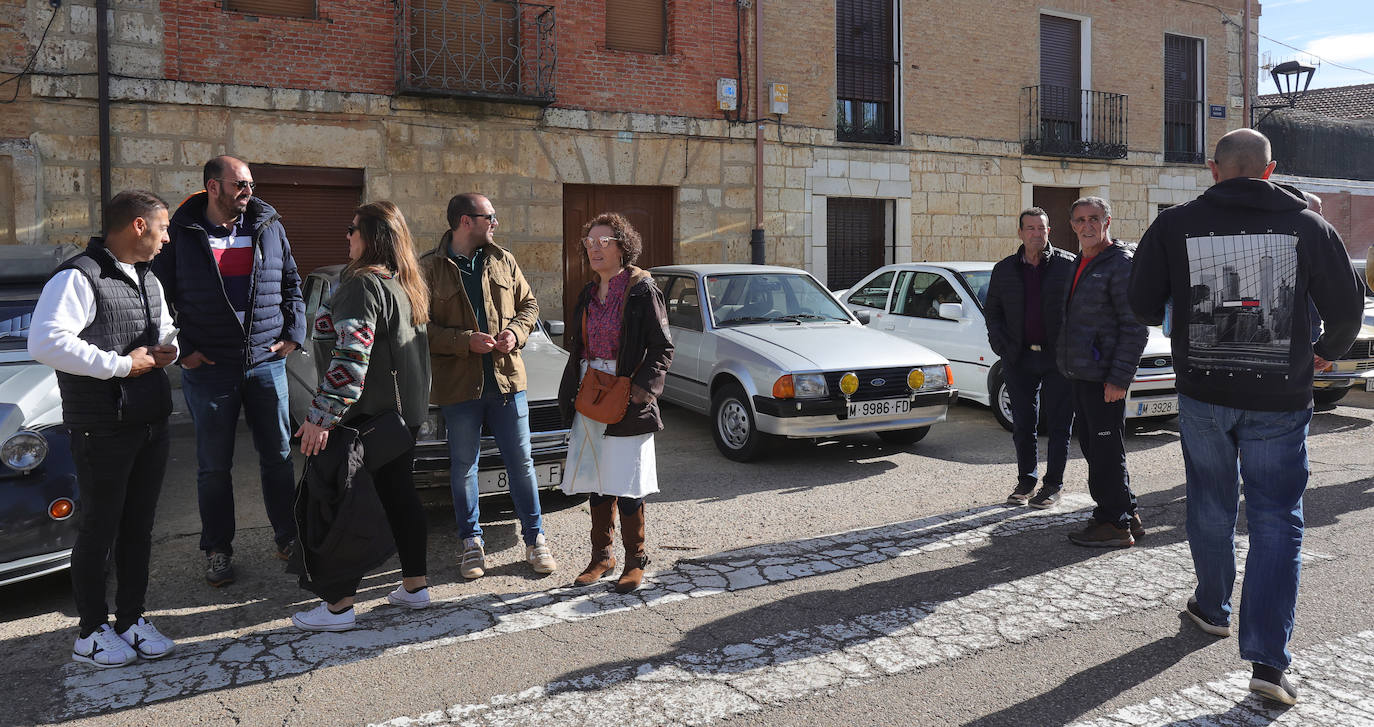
232,283
480,315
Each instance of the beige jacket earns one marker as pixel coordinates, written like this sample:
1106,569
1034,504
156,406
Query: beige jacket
510,305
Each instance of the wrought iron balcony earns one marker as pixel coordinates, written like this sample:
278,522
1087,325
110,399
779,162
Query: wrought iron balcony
502,50
1072,122
1183,132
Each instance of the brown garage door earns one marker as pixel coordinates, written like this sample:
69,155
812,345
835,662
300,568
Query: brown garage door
316,204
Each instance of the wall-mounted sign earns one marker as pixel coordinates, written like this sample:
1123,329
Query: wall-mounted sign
1216,111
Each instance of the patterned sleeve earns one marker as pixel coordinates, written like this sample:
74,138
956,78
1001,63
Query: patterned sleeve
347,322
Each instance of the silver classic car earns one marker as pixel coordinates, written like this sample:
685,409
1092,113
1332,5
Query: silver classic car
768,352
544,362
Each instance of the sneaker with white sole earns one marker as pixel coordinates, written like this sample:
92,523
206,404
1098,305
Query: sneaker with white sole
103,648
1272,684
474,561
402,597
147,640
1194,612
320,618
1045,498
539,556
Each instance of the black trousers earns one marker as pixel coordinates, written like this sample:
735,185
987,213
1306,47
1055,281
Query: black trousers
1101,429
119,470
406,516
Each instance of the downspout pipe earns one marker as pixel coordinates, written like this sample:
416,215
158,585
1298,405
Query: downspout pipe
1246,67
756,241
102,46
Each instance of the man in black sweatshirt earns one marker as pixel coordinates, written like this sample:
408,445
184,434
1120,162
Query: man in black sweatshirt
1234,270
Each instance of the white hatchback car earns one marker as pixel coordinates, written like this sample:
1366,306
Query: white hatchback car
940,305
768,351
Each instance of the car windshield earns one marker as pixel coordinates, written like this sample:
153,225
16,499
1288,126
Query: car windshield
977,281
770,297
15,317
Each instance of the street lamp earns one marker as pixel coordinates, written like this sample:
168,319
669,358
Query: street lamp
1292,79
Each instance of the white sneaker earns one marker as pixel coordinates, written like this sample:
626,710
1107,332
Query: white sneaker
474,561
147,641
104,649
539,556
320,618
402,597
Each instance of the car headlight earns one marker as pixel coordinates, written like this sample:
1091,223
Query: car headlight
800,386
24,450
432,428
929,378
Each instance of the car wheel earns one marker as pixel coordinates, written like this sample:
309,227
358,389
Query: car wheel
1001,402
732,425
1328,396
904,437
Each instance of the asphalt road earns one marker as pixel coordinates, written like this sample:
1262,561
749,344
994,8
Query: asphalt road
841,583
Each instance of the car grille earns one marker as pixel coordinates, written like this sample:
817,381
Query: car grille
1157,362
544,417
893,386
1361,349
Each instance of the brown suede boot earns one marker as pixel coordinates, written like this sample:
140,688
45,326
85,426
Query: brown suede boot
632,532
603,537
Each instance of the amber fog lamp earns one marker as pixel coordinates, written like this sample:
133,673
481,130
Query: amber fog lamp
61,508
849,383
915,379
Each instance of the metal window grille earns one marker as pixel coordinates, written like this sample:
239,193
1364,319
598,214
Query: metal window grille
1074,122
1183,100
866,71
495,49
856,239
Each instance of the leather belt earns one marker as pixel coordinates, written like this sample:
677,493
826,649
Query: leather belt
1036,347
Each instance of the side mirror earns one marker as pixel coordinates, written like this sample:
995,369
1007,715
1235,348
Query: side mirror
863,316
952,311
554,328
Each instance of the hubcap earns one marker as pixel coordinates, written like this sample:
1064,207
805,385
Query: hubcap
733,424
1004,401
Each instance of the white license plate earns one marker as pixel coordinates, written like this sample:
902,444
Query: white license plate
1156,408
1369,384
546,475
882,407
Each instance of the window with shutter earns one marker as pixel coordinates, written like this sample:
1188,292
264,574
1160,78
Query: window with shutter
639,26
856,238
1061,71
866,71
1183,99
289,8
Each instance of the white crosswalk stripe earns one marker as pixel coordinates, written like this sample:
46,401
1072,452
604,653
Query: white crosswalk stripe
1334,688
700,687
221,663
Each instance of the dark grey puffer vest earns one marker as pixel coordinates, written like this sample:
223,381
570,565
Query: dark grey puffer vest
126,317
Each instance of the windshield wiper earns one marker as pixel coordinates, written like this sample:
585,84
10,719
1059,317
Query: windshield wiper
747,319
818,317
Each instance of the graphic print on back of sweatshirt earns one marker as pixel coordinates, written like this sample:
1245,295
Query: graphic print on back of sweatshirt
1242,301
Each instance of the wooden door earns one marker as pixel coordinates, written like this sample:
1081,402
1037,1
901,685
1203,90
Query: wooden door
1056,202
649,209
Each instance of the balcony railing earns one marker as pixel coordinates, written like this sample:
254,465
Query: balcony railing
1073,122
493,49
1182,131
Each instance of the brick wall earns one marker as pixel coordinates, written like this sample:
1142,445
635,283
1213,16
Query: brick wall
350,47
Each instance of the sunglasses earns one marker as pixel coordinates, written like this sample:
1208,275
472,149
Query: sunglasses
352,229
491,217
239,183
594,242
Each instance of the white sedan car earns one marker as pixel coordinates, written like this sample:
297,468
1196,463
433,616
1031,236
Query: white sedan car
768,352
940,305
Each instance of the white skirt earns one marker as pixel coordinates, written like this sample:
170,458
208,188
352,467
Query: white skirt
619,466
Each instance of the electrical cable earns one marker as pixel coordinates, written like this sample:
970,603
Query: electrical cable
28,67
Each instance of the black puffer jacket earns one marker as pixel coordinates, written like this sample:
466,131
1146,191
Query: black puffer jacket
1101,340
1006,305
645,351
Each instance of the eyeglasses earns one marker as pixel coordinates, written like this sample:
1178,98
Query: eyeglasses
491,217
239,183
352,229
592,243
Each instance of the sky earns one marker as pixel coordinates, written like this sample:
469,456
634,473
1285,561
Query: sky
1328,32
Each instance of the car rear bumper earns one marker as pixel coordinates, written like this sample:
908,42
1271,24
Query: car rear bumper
431,468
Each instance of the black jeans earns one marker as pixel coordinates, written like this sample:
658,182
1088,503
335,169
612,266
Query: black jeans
1035,382
119,470
1101,429
406,516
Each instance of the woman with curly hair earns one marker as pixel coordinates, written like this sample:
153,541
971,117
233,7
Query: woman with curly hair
374,328
619,326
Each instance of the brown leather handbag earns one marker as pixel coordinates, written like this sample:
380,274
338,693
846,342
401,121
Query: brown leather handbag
602,397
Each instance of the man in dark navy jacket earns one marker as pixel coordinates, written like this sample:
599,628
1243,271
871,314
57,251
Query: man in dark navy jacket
232,283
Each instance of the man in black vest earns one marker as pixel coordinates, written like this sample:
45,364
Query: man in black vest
1025,308
101,324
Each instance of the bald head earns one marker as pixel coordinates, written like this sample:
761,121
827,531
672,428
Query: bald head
1241,153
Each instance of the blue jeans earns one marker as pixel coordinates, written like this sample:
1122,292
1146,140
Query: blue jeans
215,393
1034,381
507,416
1269,450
